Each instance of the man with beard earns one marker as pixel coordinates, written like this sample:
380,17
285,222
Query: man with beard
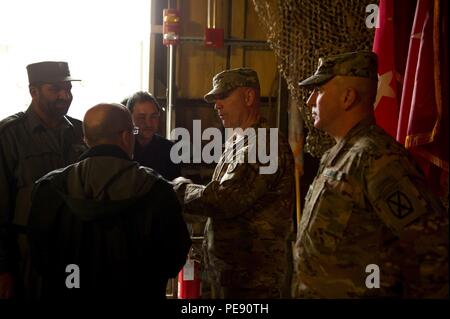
32,143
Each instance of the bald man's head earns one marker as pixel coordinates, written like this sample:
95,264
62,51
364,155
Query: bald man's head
108,124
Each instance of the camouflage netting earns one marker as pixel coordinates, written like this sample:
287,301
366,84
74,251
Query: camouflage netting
301,31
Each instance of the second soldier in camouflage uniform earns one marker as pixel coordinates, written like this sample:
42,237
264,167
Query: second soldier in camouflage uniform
369,203
249,212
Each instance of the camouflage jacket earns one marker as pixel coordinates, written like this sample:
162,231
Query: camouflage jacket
249,216
369,204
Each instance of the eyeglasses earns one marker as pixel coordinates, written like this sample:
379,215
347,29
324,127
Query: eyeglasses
134,129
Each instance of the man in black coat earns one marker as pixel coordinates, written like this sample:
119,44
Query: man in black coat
151,150
106,227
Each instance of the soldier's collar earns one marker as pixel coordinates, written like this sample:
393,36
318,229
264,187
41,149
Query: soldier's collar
354,131
66,122
362,125
261,122
36,123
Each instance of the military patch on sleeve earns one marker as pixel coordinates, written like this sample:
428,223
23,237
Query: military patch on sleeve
399,203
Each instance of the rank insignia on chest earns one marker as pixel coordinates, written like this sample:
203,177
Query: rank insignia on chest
336,175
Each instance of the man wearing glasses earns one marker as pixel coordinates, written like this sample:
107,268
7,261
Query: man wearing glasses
151,149
117,224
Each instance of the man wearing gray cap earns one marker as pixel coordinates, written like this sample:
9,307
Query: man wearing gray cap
32,143
371,227
249,213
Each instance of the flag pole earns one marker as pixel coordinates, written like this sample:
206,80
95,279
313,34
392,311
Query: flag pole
296,139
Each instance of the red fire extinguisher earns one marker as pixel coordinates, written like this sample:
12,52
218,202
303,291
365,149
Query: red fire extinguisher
189,283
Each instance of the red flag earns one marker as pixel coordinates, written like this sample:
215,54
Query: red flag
423,125
418,97
387,102
391,45
415,110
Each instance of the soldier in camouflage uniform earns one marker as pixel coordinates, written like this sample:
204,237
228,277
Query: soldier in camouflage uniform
249,213
369,203
32,143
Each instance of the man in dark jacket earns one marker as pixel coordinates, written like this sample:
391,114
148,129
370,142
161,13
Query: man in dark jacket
32,143
151,150
106,227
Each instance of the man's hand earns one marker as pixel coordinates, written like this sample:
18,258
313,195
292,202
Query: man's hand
6,285
181,180
179,186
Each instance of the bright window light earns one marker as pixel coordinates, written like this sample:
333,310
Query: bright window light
105,42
